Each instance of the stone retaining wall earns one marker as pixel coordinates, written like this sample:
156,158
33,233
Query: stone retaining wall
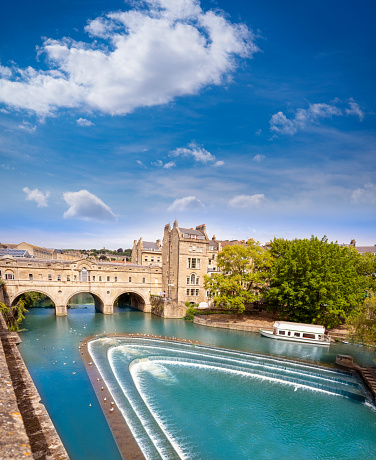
26,430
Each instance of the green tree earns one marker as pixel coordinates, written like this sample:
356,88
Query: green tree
13,315
244,275
313,281
362,322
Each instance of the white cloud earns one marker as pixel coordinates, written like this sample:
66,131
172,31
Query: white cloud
84,122
219,163
246,201
365,195
280,124
258,132
188,203
169,165
354,109
259,157
198,153
26,126
154,52
84,205
36,195
140,163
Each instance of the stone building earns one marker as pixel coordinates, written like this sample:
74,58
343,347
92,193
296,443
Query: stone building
146,253
185,257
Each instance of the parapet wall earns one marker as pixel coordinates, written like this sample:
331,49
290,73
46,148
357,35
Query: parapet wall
26,430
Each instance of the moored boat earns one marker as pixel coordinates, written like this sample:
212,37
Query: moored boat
297,332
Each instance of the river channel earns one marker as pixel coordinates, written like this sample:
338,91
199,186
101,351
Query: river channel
207,402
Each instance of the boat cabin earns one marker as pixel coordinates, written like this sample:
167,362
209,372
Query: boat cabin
299,330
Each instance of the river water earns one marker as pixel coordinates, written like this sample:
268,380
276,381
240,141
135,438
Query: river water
209,403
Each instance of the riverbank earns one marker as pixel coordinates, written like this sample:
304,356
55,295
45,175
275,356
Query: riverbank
26,430
252,323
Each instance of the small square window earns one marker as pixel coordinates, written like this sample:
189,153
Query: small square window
49,277
30,277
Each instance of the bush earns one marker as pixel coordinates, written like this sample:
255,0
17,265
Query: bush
191,311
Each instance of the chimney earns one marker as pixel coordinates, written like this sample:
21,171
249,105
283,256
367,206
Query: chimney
353,243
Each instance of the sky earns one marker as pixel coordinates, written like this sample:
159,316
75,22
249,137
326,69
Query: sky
254,118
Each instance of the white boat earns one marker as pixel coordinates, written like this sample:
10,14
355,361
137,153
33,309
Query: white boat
297,332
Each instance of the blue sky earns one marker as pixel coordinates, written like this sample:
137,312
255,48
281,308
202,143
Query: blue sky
256,118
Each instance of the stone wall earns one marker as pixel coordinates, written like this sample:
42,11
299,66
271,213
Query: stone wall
26,430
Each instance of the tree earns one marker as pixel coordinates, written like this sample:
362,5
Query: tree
313,281
244,275
362,322
13,315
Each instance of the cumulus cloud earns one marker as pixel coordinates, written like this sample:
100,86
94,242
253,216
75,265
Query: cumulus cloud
36,195
247,201
84,205
198,153
188,203
367,194
149,55
259,157
280,124
219,163
84,122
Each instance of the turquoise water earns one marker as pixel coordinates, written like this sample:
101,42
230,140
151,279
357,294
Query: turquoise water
208,413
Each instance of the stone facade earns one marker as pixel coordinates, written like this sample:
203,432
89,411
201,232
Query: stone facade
185,257
61,280
147,253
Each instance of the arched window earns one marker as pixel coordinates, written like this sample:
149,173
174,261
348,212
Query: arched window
84,275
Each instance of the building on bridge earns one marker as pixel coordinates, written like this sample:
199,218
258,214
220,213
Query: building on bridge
60,280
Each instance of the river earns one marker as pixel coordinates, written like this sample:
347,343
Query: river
50,350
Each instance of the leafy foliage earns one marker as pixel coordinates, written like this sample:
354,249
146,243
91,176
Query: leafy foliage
13,315
191,311
362,322
313,281
244,275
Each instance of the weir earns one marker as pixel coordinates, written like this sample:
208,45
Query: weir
123,363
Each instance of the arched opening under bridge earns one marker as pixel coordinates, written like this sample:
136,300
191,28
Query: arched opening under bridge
129,300
86,302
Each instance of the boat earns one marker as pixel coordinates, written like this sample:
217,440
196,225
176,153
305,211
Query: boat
297,332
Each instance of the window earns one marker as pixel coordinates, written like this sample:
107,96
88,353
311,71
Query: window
9,276
93,278
84,275
194,279
59,277
158,259
210,261
193,263
188,291
30,277
188,280
194,248
296,334
50,277
100,278
282,332
68,277
190,248
309,336
196,291
143,280
75,278
108,278
146,258
130,279
152,259
156,280
115,279
193,291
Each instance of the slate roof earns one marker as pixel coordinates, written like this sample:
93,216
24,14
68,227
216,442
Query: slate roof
191,231
150,245
14,252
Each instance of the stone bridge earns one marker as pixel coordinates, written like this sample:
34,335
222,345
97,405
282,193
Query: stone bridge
60,280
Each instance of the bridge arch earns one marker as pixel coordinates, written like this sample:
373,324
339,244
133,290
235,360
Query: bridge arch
15,297
98,301
137,300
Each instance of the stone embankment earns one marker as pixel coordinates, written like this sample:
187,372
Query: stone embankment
252,323
26,430
368,374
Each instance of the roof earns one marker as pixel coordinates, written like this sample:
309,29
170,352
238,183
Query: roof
152,246
362,249
191,231
14,252
213,245
316,328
